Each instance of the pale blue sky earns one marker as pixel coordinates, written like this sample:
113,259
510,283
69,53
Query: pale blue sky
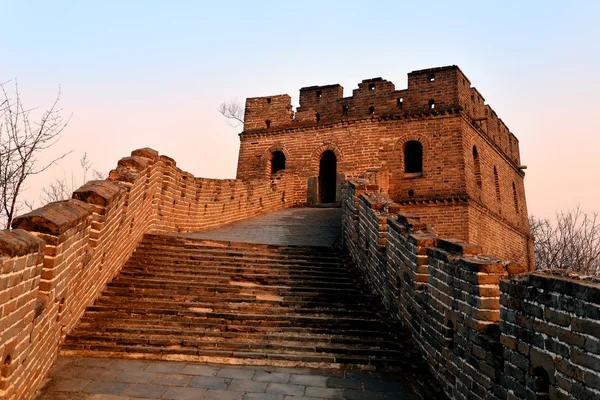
150,73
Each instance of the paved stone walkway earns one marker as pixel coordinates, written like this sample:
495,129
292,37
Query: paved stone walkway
74,378
293,226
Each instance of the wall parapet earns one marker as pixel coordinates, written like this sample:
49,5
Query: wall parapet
57,258
429,92
488,328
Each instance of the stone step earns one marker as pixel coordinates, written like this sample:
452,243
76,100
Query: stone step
191,336
323,320
158,239
380,340
338,274
244,308
232,286
202,275
339,298
235,345
344,302
237,267
184,258
313,360
328,257
95,321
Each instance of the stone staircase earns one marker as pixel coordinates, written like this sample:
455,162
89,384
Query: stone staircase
180,298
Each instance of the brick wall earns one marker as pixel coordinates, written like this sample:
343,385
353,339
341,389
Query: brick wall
487,328
551,335
59,257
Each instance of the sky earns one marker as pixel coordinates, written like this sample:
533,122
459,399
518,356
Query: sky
151,73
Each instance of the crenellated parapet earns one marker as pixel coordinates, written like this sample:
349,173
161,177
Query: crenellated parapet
430,92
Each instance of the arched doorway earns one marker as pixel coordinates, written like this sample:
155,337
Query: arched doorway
327,177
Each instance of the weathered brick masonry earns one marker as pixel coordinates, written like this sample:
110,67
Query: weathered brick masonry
59,257
467,182
487,329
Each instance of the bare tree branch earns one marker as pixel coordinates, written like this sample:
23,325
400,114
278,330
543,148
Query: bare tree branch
21,142
571,241
233,111
63,188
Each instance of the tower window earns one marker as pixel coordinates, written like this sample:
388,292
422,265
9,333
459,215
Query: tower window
268,123
477,167
345,109
268,100
431,77
497,183
277,161
431,104
318,116
319,93
413,157
371,110
400,102
371,86
515,198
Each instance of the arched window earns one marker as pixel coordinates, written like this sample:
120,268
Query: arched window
497,183
541,383
516,200
277,161
413,157
477,167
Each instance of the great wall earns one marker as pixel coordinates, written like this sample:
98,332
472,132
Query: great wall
431,190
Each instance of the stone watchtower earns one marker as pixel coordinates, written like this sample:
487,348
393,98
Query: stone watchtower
435,148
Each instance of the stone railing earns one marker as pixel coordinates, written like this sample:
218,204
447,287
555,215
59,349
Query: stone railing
58,258
487,328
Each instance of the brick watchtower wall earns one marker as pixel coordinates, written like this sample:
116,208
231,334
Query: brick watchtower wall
469,185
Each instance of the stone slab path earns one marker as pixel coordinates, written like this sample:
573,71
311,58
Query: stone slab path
74,378
293,226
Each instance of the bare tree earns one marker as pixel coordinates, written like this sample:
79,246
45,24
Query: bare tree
63,188
22,140
233,111
571,241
